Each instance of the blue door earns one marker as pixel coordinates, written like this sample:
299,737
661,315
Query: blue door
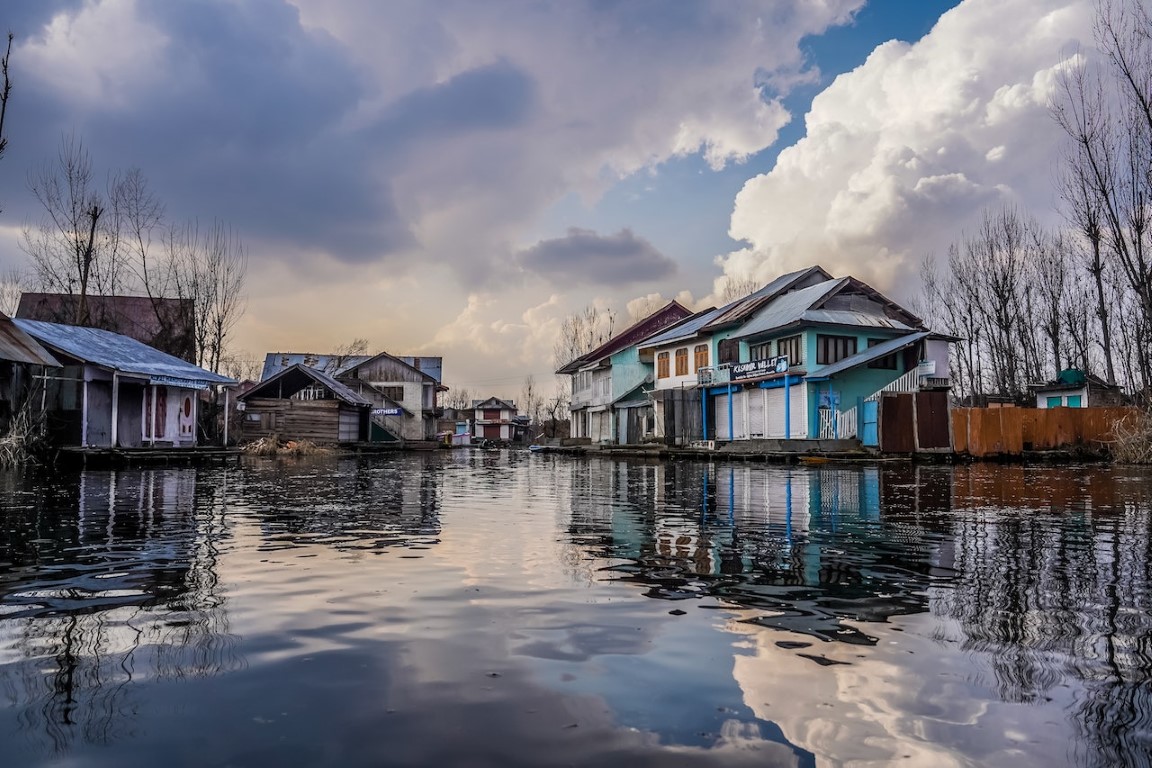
870,431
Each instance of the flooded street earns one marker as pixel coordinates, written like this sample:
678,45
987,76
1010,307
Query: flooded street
512,609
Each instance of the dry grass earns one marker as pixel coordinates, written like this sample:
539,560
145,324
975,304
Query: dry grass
271,446
1132,439
24,439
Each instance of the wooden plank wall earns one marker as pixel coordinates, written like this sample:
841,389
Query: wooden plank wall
314,420
981,432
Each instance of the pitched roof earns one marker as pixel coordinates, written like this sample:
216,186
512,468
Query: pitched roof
493,401
338,365
120,353
741,309
806,306
295,378
18,347
162,323
684,330
672,312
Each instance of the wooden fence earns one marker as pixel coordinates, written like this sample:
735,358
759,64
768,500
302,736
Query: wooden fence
981,432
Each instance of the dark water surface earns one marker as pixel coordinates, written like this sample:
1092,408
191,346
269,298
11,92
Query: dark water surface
508,609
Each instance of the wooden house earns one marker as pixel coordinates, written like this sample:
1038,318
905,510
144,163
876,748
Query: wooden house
302,403
21,357
116,392
493,419
403,390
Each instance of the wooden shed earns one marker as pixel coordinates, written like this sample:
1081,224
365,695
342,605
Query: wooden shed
302,403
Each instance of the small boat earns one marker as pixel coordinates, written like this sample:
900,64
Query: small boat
538,448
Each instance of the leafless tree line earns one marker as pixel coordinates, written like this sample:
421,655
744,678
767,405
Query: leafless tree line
117,240
1028,303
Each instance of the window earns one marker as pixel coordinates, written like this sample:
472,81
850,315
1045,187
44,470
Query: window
395,394
791,347
831,349
729,351
888,362
1074,401
682,361
1055,402
662,365
761,351
701,356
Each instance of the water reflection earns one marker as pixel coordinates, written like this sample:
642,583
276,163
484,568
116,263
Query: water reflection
1042,575
106,583
514,609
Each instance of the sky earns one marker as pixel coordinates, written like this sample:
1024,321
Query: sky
453,178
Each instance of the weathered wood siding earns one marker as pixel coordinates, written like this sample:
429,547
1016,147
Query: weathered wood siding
384,369
320,421
982,432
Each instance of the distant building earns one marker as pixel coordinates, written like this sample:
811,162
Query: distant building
1077,389
168,325
493,419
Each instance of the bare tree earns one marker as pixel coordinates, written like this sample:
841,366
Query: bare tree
530,401
242,366
209,269
5,92
581,332
738,287
73,248
460,399
345,353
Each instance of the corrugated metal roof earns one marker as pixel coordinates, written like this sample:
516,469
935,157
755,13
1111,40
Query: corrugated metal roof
670,313
870,354
338,365
297,377
789,308
118,352
852,317
684,330
18,347
741,308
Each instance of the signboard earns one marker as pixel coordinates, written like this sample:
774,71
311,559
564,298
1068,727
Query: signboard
758,368
926,368
385,411
176,381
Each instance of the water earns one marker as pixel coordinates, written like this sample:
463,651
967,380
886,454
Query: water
508,609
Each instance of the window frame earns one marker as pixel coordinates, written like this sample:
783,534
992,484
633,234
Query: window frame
662,369
682,361
828,345
887,363
785,345
700,355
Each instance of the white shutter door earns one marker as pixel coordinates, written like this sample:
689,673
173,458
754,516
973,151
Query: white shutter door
757,405
775,412
721,417
799,408
739,417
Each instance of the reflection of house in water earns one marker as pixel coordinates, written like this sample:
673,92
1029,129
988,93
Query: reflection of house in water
806,547
102,588
361,504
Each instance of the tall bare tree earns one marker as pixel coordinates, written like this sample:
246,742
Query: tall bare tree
73,249
581,332
5,92
209,269
738,287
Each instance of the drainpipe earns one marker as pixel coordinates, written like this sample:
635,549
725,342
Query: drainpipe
787,411
226,414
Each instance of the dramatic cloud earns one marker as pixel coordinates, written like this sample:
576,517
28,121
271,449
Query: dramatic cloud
585,257
903,153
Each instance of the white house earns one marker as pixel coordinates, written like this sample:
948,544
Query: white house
493,419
